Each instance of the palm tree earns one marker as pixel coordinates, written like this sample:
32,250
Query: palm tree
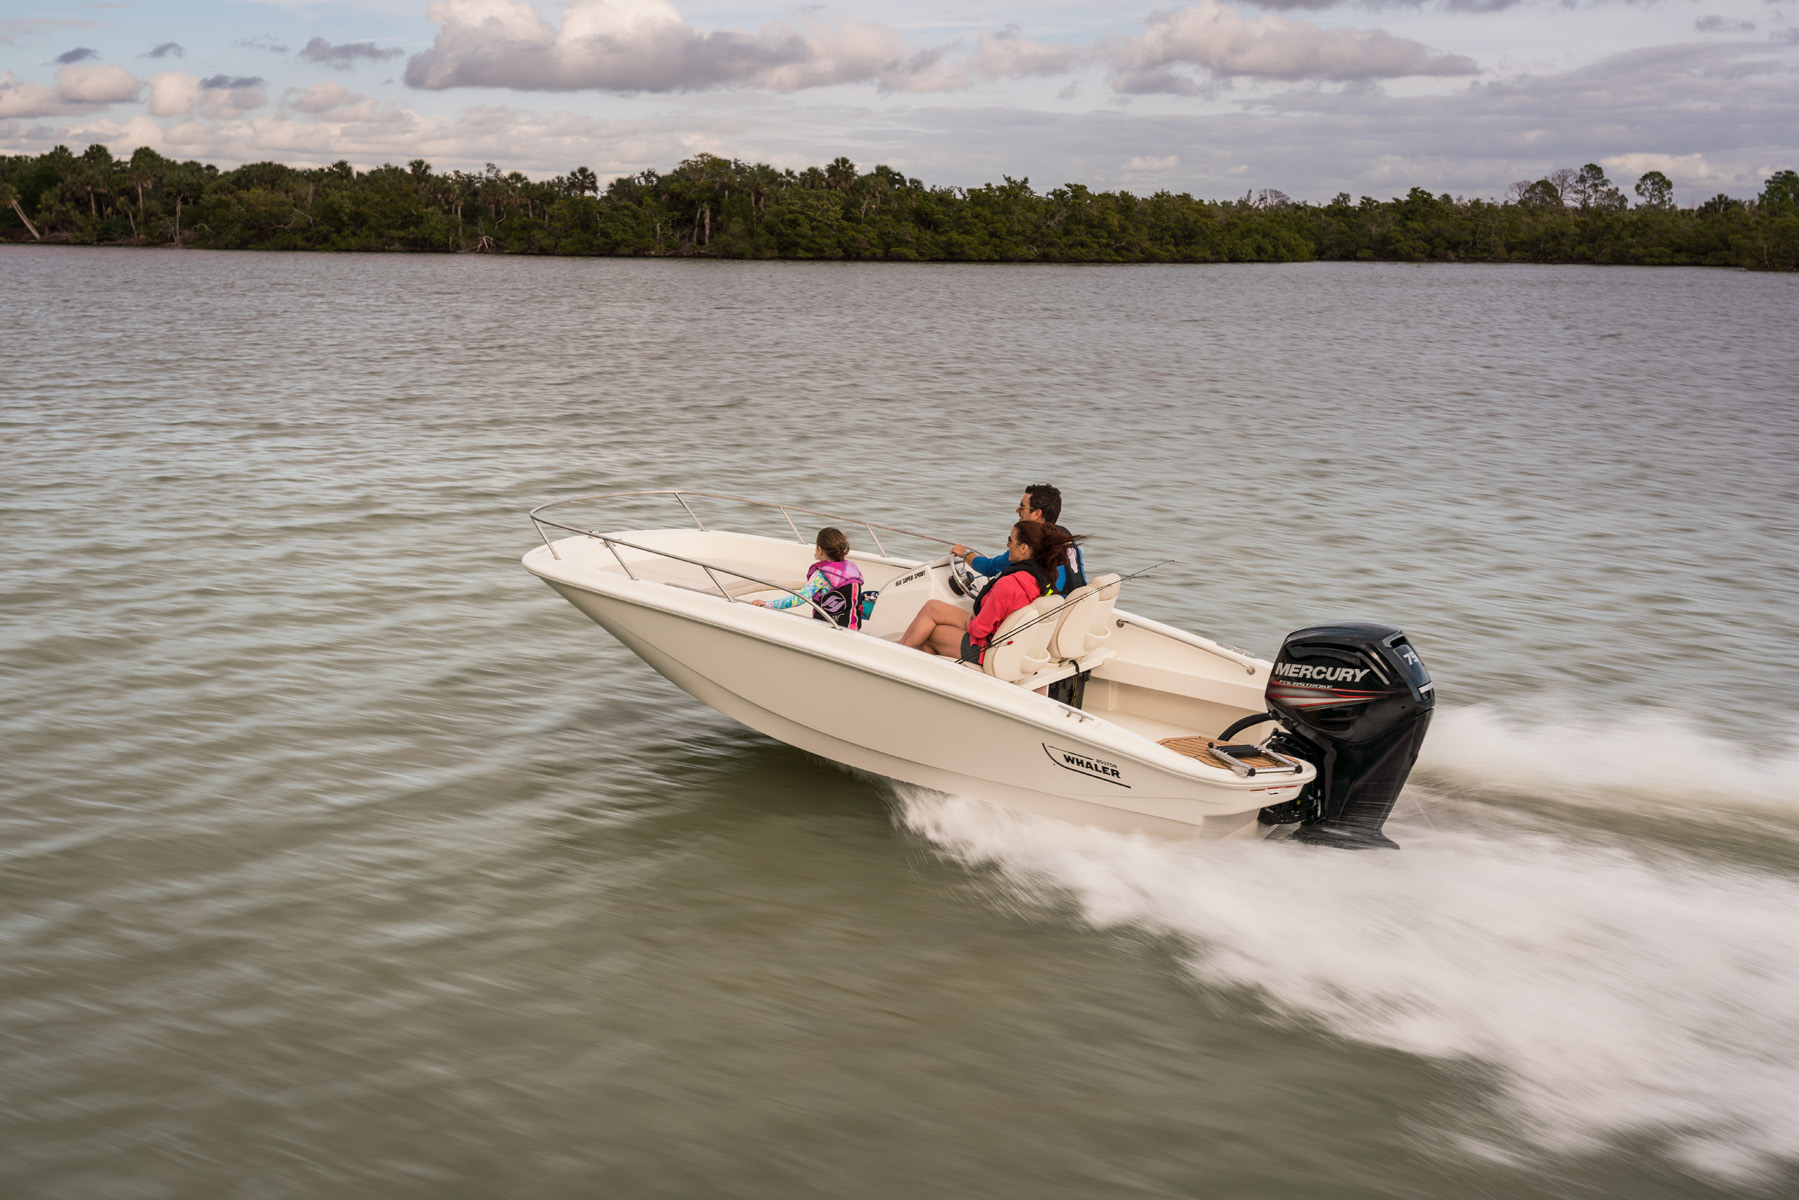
9,196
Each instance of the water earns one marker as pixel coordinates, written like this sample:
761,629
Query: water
339,856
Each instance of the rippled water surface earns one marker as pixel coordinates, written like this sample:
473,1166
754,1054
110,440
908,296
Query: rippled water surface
338,856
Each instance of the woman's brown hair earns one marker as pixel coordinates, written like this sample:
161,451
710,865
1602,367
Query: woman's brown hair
836,547
1049,545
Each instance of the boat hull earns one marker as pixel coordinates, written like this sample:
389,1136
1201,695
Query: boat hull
923,720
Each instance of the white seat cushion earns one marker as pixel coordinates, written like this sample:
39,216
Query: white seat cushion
1012,655
1099,628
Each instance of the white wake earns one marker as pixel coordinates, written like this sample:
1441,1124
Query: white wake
1646,755
1607,991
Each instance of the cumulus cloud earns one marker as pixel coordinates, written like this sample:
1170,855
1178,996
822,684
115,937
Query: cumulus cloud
368,134
264,41
166,49
1475,6
173,94
1222,42
323,97
79,87
1009,54
78,54
96,83
1690,169
645,46
344,55
22,98
1150,164
177,94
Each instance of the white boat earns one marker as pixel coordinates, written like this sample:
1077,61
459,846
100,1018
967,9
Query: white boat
1134,738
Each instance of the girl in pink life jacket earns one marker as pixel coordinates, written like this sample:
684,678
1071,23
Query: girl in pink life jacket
1034,550
833,583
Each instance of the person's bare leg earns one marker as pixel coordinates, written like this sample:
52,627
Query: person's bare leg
931,615
945,640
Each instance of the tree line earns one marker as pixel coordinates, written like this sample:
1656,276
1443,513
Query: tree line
722,208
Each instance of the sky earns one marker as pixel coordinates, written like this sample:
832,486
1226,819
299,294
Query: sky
1211,97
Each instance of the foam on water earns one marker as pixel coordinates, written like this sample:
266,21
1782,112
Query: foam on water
1603,993
1650,754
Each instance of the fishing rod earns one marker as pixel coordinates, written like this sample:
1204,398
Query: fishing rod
1068,600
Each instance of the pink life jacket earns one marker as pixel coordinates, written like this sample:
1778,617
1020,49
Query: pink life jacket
844,601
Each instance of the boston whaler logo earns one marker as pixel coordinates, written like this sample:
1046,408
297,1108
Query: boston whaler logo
1084,764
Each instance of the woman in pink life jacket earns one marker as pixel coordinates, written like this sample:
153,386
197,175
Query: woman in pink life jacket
1035,550
833,583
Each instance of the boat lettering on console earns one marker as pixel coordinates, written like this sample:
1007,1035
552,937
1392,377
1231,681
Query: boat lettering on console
1085,764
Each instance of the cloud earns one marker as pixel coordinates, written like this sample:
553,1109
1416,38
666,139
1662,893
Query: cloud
542,143
173,94
323,97
264,41
78,88
1145,163
78,54
178,94
1223,43
165,49
645,46
14,28
1692,169
20,98
1729,103
1717,24
99,83
1712,114
1008,54
1474,6
345,54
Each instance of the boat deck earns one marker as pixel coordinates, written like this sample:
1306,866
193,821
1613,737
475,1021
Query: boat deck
1201,748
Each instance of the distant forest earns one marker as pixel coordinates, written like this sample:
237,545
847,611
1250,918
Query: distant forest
720,208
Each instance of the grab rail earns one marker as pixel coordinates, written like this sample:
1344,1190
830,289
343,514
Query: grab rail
1250,665
612,544
681,494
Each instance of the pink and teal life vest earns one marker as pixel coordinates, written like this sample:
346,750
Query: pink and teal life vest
843,600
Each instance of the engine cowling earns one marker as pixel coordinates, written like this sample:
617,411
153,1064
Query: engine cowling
1352,698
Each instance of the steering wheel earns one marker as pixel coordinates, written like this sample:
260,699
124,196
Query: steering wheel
962,577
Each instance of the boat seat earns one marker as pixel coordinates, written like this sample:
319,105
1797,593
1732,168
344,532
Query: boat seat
1085,624
1016,656
748,587
1068,668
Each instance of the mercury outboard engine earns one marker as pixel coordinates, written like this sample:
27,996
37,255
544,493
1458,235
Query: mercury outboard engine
1353,699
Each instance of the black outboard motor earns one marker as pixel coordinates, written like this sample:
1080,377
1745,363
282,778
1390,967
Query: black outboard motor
1353,699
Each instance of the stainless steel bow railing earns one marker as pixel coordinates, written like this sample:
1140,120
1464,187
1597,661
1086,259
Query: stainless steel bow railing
612,543
1241,658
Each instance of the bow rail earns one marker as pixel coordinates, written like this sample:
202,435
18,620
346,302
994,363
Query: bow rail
681,495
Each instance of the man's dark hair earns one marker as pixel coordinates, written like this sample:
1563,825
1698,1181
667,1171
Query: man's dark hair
1046,500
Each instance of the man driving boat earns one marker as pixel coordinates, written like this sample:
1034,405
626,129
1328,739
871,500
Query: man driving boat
1042,502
